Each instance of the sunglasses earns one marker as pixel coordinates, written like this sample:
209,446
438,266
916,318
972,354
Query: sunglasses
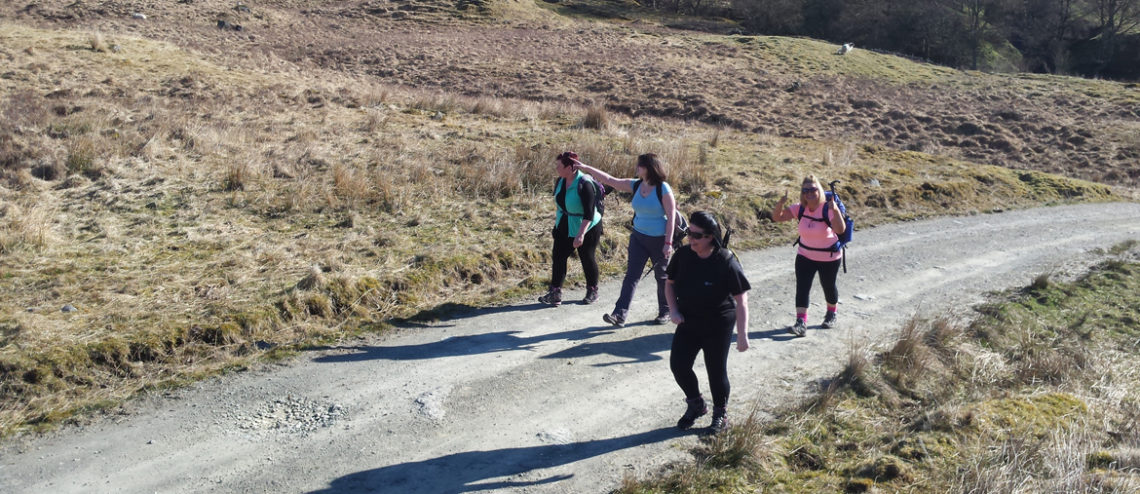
699,235
808,190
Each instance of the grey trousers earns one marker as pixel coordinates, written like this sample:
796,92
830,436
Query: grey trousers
643,248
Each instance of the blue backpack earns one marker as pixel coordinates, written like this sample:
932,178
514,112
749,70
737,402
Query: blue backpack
845,237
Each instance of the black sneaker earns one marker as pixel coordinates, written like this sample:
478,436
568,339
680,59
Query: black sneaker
661,319
553,297
830,321
591,295
719,420
799,328
614,319
696,410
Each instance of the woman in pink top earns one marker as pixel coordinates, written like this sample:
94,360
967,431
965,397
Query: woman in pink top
818,233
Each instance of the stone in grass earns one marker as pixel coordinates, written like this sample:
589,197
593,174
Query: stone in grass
68,308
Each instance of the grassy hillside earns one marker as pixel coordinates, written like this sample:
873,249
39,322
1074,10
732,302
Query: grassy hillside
204,197
1037,392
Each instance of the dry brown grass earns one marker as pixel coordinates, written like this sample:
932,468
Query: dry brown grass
26,224
97,42
180,199
597,118
855,376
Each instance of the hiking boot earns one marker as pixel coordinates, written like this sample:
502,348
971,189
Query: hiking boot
696,410
661,319
799,328
616,320
591,295
719,420
830,321
553,297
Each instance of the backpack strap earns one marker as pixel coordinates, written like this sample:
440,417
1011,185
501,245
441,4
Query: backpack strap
560,184
636,186
824,219
826,249
813,218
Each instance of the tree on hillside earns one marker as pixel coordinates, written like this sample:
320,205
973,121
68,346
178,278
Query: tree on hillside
820,17
1086,37
772,17
982,24
1042,30
866,22
931,29
1115,18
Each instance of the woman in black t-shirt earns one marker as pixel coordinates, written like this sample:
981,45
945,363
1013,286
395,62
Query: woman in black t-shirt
707,294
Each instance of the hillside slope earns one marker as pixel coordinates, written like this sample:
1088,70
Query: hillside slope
788,87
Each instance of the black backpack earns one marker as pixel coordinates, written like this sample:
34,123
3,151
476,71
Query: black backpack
845,237
680,226
599,192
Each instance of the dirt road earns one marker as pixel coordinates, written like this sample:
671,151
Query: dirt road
526,398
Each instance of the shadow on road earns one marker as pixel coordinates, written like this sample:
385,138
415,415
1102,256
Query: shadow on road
632,351
501,341
475,470
772,334
641,349
452,311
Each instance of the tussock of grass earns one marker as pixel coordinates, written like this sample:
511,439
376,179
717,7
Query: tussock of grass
1033,395
25,224
180,199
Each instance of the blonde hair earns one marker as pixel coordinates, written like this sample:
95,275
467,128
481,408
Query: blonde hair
814,181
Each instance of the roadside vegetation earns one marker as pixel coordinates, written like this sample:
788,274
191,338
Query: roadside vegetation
169,210
1035,392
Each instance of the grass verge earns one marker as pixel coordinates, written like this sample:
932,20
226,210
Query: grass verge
1038,393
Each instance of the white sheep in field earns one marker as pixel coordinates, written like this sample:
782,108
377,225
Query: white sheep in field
845,48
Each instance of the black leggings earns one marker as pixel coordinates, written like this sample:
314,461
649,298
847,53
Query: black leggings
805,271
564,246
713,337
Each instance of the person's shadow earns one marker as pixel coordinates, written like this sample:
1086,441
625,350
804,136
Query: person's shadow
469,471
500,341
630,351
772,334
451,311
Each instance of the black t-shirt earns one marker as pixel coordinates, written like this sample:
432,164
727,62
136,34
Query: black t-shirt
705,287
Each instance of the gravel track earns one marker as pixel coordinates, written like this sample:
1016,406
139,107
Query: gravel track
525,398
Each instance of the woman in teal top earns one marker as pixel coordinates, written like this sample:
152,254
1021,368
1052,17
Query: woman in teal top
655,216
577,225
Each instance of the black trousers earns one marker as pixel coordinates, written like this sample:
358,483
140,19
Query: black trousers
805,272
564,246
713,337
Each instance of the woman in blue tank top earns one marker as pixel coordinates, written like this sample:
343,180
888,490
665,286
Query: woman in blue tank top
655,217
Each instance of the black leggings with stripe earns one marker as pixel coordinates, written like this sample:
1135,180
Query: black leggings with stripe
805,272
